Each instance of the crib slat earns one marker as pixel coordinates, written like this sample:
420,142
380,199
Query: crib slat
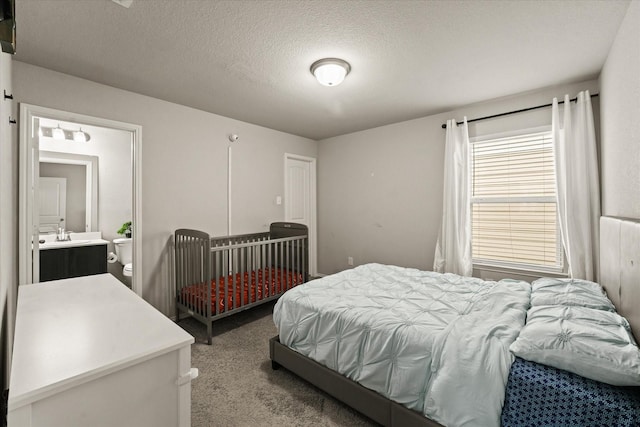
299,273
269,267
289,263
243,269
226,273
255,276
296,270
263,282
237,265
220,287
282,284
234,270
197,273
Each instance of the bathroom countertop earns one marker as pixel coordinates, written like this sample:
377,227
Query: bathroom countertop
89,238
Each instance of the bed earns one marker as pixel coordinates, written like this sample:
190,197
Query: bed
455,396
219,276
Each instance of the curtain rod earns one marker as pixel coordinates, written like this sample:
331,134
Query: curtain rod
537,107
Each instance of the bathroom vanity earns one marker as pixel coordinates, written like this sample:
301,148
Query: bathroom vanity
72,258
90,352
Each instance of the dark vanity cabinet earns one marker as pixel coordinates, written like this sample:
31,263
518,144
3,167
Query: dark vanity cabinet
62,263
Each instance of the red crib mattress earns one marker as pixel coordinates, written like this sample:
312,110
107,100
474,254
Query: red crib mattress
252,285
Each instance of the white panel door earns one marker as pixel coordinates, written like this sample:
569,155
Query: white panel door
53,204
297,195
300,198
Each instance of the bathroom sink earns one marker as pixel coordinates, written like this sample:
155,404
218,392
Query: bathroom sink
63,244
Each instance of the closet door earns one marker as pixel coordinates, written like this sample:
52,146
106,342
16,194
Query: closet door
300,198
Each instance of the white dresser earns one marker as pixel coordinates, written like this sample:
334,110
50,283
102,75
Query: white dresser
90,352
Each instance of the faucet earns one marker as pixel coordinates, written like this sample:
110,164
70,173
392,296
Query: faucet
62,235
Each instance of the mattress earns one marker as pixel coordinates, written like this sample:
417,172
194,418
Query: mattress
239,289
436,343
540,395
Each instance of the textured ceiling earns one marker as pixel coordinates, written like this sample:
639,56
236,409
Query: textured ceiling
250,60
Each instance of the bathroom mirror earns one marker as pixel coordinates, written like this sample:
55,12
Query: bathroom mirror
81,201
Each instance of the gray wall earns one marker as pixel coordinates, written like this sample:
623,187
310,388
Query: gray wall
620,85
76,208
380,190
184,165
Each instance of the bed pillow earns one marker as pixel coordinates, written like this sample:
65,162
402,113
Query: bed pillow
592,343
570,292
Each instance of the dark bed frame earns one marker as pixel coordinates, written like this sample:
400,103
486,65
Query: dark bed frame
619,275
375,406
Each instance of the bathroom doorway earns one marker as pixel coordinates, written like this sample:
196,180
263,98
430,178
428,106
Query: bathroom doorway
100,160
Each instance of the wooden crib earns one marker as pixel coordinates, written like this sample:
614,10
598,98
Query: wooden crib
220,276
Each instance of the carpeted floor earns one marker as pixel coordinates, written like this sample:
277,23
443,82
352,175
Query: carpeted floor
237,386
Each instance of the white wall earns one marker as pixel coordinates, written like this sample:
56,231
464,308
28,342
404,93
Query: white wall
184,165
620,86
380,190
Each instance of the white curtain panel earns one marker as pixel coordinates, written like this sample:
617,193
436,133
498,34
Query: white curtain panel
578,191
453,250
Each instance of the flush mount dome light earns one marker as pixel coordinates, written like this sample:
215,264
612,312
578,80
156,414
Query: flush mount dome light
330,71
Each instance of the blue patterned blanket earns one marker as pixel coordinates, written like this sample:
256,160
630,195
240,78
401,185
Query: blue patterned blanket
539,395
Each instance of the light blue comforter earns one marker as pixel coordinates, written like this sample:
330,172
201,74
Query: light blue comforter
437,343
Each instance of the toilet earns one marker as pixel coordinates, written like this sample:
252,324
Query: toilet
124,252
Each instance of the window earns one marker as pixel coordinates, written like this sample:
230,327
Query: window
513,203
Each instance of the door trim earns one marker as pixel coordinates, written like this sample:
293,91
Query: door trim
313,239
26,184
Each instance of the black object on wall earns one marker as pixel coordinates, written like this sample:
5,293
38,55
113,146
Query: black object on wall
8,26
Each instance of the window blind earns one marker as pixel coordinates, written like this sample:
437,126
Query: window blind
513,189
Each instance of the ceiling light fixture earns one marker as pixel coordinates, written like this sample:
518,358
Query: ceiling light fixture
61,134
123,3
57,133
330,71
79,136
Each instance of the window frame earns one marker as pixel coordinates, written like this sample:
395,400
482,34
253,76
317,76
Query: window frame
482,263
